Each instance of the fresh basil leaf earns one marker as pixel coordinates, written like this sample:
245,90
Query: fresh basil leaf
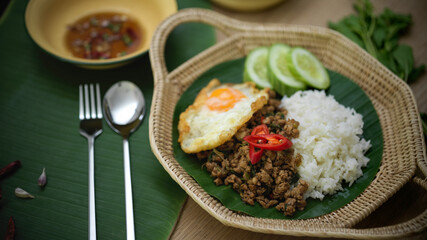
391,18
364,8
391,44
346,31
387,60
394,30
353,22
379,36
404,59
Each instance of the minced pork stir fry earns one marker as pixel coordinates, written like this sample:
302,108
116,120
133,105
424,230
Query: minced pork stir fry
273,181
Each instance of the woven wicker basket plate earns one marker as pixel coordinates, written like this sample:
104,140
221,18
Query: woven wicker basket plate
392,99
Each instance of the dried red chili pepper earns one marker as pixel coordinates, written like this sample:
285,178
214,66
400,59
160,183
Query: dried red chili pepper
10,230
10,168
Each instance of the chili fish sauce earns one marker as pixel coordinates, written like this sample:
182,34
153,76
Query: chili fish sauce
103,36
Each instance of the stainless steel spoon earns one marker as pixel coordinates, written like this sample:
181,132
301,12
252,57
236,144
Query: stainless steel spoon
124,108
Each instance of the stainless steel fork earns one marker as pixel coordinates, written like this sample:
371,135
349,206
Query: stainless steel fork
90,114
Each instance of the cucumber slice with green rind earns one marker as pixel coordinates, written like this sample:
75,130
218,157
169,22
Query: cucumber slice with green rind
256,67
307,68
280,76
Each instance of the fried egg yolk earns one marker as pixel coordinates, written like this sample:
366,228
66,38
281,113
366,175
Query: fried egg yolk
224,99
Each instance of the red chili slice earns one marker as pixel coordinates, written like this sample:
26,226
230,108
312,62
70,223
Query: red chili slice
260,129
255,156
275,142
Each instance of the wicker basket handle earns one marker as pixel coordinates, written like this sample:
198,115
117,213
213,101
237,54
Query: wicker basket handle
225,24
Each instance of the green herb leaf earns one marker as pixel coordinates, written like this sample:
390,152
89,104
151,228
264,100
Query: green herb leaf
346,31
363,8
127,39
114,27
405,60
387,59
379,36
396,24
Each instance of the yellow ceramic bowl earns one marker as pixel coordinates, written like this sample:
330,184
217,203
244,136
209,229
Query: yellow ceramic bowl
247,5
47,21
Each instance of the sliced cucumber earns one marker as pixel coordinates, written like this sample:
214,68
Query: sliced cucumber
307,68
279,75
256,68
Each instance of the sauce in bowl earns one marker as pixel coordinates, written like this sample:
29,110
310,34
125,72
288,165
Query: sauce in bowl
103,36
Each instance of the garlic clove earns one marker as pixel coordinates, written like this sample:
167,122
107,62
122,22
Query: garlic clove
42,179
21,193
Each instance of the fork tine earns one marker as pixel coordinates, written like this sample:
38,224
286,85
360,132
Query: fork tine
92,101
87,114
81,111
98,99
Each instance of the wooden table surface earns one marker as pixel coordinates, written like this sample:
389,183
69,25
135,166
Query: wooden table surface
196,223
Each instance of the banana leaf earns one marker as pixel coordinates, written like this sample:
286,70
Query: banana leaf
40,127
345,92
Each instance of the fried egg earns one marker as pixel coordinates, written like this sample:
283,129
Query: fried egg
218,111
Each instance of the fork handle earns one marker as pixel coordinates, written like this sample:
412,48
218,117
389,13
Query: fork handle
92,216
130,229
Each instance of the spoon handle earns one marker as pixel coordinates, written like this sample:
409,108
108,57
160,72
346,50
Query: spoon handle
130,231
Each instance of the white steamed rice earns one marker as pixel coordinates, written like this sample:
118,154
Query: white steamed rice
329,141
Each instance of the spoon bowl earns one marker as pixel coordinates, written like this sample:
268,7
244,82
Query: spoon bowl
124,109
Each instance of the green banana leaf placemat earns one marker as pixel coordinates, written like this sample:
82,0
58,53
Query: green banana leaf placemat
40,127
